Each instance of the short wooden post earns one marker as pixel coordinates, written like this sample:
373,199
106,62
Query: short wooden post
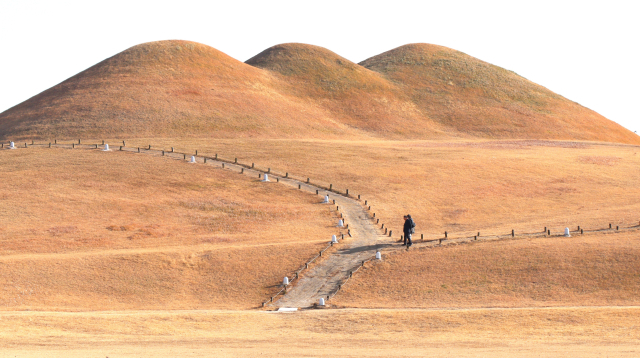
222,165
365,202
123,144
342,236
439,241
268,170
609,226
334,201
49,145
73,145
316,191
149,146
390,233
475,238
96,146
216,156
171,149
306,265
578,227
308,180
277,180
445,234
286,175
55,141
320,253
374,215
337,207
478,233
617,228
253,165
120,148
422,237
32,142
205,159
299,186
549,232
545,229
138,149
103,142
241,170
184,156
377,221
581,232
330,186
347,192
78,141
382,226
196,152
369,207
513,233
358,196
385,230
236,161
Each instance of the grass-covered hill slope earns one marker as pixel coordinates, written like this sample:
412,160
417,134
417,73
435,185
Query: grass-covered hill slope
185,89
470,96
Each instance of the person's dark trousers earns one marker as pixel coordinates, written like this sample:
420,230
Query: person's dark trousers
407,239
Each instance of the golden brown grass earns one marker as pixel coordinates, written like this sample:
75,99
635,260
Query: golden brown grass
461,187
186,89
589,270
84,229
558,332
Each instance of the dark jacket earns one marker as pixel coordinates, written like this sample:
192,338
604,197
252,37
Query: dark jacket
408,225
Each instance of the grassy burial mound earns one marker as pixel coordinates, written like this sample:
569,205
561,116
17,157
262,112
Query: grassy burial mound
590,270
467,95
352,94
180,88
460,187
84,229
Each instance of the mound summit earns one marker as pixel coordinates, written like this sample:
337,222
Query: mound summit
418,91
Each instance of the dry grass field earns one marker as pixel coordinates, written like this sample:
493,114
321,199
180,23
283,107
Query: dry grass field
461,187
85,229
589,270
163,245
555,332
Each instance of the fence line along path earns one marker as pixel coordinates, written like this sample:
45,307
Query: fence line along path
322,279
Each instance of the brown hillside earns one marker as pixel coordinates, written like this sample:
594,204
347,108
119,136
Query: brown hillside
357,96
166,88
179,88
484,100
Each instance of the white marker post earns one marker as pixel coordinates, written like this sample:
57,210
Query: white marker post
266,178
340,223
334,239
12,145
193,159
326,197
378,255
321,303
567,233
106,148
285,281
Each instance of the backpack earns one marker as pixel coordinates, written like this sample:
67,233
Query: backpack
413,227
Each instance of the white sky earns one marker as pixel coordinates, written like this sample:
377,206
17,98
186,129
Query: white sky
587,51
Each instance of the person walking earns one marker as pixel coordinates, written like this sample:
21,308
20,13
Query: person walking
408,229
